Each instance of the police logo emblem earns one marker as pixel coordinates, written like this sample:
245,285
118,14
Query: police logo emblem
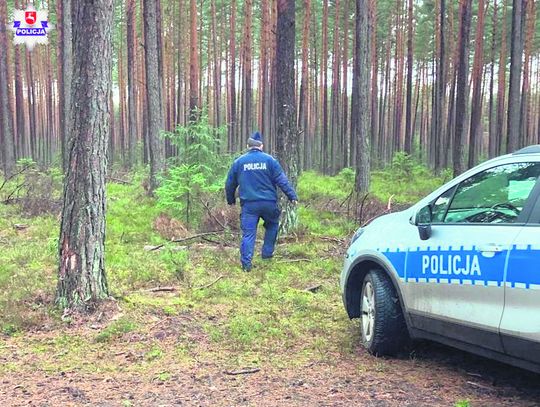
30,27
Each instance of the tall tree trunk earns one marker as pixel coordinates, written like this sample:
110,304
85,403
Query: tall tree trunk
360,102
462,90
324,90
408,112
247,92
232,80
193,64
153,94
303,112
492,143
216,68
6,119
398,96
66,72
516,56
375,136
437,126
19,101
529,25
81,276
335,111
287,134
478,68
132,79
345,134
501,89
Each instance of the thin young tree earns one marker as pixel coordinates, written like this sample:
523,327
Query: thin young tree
81,274
287,133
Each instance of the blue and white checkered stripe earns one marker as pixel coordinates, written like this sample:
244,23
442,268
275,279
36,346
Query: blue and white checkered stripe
518,267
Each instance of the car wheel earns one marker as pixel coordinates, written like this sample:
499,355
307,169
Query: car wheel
382,325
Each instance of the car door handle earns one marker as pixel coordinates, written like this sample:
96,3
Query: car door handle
492,248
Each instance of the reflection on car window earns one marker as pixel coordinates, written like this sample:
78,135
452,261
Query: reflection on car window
441,205
496,195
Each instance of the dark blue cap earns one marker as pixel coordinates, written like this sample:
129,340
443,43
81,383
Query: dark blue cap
255,140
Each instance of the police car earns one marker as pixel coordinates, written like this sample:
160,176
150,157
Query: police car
461,267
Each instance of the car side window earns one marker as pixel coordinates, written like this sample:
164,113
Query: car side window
497,195
440,206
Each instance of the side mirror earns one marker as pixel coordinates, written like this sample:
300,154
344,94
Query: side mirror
422,220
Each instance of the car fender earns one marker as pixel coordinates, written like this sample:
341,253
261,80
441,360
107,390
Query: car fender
364,262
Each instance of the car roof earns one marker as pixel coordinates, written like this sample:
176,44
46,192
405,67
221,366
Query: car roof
534,149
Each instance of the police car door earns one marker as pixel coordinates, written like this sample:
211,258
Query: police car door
520,325
455,278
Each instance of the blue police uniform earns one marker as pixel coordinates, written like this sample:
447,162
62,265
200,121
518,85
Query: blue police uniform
257,174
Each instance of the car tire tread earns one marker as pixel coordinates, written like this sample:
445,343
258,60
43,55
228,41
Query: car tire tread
390,331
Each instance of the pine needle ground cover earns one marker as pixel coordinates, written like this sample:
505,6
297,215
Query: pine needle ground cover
185,325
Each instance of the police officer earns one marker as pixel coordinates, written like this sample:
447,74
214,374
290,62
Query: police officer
257,174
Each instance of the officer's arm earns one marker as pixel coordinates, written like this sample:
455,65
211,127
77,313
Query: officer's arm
231,184
280,179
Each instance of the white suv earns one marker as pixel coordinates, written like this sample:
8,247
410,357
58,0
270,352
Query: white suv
461,267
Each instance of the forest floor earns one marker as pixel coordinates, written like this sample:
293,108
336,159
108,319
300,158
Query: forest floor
185,326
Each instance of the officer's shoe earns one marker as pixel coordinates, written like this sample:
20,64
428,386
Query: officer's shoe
246,268
267,258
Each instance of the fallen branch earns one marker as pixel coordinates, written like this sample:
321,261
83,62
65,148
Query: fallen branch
210,284
161,289
332,239
185,239
481,386
205,204
243,371
197,236
314,288
293,260
211,241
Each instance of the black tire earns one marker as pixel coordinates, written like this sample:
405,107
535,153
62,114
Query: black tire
382,326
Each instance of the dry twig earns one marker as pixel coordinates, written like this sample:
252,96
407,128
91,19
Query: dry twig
210,284
243,371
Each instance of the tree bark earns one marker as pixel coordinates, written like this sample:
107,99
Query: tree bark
6,119
360,102
193,64
462,90
514,94
478,68
287,134
132,79
81,278
408,112
154,102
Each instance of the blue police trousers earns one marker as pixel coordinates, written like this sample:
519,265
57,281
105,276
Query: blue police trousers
252,211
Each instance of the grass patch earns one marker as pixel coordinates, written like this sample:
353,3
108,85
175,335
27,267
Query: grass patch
115,330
